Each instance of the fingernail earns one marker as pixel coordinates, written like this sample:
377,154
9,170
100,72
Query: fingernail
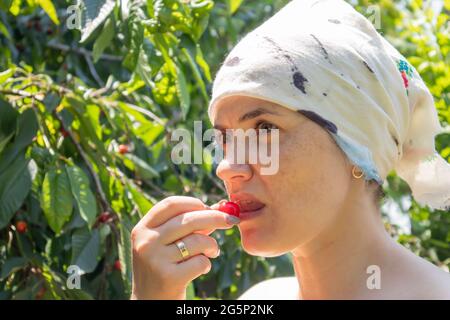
232,219
218,253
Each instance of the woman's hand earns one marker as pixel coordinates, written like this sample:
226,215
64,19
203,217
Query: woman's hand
159,271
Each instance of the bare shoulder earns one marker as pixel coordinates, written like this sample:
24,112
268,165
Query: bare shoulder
282,288
438,286
421,279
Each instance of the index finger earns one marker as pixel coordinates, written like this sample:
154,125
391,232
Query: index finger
191,222
169,208
214,206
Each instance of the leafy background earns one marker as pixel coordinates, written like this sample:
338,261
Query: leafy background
86,115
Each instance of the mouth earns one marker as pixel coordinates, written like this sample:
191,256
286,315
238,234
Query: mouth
249,204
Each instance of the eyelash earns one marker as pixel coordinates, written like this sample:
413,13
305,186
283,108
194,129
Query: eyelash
265,122
222,142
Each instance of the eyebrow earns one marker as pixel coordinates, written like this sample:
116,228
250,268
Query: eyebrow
251,115
256,113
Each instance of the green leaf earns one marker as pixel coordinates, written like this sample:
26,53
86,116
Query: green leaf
104,39
92,118
447,4
12,265
233,5
163,43
51,102
148,132
182,91
8,118
25,247
49,8
85,249
142,68
154,60
144,170
202,63
172,183
26,131
56,198
125,252
4,141
27,128
136,38
89,125
190,291
144,205
79,184
8,73
199,26
5,32
207,161
75,222
134,114
226,277
15,184
5,4
196,72
14,7
93,13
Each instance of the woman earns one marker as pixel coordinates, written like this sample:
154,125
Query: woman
348,109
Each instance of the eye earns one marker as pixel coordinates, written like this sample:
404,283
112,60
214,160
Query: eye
265,125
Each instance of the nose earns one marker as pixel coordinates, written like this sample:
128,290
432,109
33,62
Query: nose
233,172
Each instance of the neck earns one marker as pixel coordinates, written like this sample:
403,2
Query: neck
334,264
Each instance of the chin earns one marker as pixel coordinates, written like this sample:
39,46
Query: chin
255,243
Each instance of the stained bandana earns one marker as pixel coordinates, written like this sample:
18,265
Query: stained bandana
326,61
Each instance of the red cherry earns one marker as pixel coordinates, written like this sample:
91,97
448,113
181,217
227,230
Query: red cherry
117,265
21,226
64,132
123,148
104,217
40,293
230,208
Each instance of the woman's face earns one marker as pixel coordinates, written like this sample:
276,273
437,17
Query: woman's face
304,196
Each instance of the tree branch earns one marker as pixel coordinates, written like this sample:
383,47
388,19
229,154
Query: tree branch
103,200
82,51
38,96
93,70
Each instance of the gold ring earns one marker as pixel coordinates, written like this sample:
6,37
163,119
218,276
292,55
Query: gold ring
182,246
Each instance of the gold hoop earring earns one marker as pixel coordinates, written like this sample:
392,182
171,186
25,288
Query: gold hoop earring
355,175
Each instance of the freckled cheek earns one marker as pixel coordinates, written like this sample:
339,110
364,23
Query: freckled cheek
296,160
292,188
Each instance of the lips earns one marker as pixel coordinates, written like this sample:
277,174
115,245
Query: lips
247,202
247,206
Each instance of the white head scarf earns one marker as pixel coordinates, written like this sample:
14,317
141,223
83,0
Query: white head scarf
325,60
